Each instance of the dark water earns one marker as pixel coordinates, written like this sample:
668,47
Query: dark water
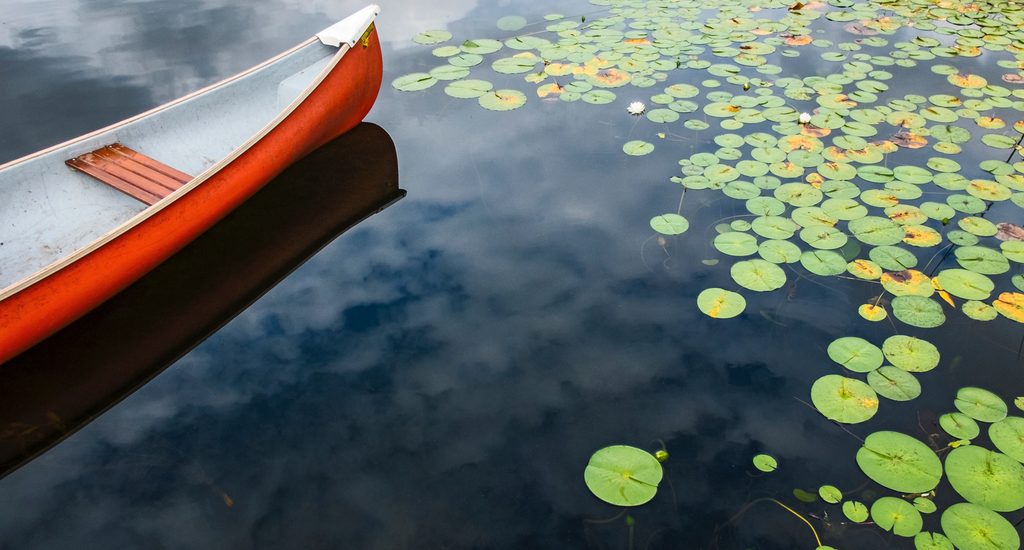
439,376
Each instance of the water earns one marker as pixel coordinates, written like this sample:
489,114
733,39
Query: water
439,376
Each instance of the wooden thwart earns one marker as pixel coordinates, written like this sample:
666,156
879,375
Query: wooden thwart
130,172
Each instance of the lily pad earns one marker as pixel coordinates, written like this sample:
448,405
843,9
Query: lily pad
980,404
623,475
719,303
959,425
911,354
893,383
735,243
965,284
468,89
758,275
670,224
979,311
897,515
637,148
830,494
932,541
893,258
982,260
924,505
765,463
918,311
823,262
844,400
855,511
899,462
432,37
986,478
856,354
1008,436
971,526
502,100
413,82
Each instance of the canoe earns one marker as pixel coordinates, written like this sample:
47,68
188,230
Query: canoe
82,220
58,386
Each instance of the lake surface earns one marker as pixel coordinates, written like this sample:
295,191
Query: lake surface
440,375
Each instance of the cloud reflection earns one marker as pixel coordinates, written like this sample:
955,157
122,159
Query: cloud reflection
440,376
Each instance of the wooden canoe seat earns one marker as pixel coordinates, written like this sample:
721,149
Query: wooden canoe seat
130,172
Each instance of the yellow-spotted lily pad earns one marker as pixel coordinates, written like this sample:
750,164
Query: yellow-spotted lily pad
843,399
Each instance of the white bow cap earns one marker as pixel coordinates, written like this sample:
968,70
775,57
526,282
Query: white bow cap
350,29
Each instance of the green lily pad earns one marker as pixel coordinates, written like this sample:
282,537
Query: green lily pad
910,354
637,148
999,141
971,526
980,404
822,237
893,258
765,463
758,275
511,23
805,496
413,82
468,89
986,478
979,311
735,243
924,505
965,284
830,494
844,400
823,262
899,462
918,311
959,425
719,303
623,475
855,511
856,354
897,515
876,231
670,224
780,252
893,383
774,227
932,541
432,37
1008,436
977,226
982,260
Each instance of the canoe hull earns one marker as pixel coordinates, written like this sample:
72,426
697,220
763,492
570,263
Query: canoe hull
340,102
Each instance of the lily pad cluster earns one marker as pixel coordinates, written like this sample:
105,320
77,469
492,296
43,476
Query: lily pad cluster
829,174
827,167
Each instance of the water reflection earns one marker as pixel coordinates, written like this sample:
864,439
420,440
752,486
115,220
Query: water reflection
57,386
440,376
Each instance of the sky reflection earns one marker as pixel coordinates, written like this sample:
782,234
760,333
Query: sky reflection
439,376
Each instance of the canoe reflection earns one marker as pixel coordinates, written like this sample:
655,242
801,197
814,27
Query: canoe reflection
61,384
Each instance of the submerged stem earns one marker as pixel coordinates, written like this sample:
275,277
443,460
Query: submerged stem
787,508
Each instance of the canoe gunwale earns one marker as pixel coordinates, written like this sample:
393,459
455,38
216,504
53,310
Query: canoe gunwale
152,210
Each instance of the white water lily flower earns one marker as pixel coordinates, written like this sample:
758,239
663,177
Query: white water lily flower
805,118
636,108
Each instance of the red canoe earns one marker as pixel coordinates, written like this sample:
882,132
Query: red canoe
82,220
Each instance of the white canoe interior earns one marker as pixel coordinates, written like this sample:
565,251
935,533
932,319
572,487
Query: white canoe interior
48,211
